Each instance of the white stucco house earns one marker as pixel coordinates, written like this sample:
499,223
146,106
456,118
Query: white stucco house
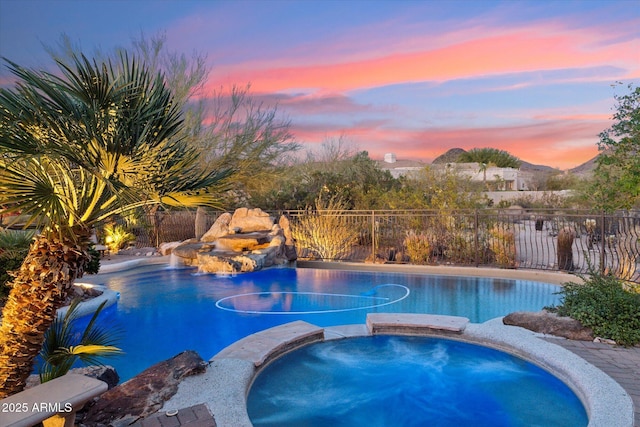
503,179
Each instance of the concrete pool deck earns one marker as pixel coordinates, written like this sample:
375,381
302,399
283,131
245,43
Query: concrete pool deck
222,389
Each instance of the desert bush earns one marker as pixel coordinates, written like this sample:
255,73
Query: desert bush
325,231
418,247
116,237
460,247
502,245
603,305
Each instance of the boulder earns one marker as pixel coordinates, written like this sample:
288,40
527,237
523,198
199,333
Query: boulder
190,249
145,393
550,323
229,262
166,248
289,244
218,229
243,242
213,262
247,220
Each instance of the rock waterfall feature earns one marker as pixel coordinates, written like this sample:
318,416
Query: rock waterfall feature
248,240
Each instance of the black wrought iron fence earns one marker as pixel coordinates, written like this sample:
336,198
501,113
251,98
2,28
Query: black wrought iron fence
506,238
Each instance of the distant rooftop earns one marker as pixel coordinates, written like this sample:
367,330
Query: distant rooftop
399,167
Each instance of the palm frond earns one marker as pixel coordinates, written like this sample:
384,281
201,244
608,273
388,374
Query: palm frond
63,345
99,139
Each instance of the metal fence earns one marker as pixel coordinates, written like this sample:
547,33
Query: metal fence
508,238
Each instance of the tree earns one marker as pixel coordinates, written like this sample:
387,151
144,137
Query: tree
102,139
490,156
617,175
228,126
433,187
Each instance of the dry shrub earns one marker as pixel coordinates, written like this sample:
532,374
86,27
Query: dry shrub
502,245
461,247
325,231
418,247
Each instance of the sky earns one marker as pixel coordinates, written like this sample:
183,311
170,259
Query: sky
415,78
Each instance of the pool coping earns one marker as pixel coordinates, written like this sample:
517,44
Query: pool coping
551,277
225,384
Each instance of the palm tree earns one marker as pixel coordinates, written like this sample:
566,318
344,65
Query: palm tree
487,157
102,139
493,156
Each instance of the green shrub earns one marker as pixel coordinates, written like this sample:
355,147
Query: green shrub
603,305
16,240
8,264
460,247
93,266
14,246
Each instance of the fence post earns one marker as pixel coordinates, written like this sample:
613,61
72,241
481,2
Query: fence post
476,238
373,236
602,243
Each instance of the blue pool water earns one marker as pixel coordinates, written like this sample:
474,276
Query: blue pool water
163,311
409,381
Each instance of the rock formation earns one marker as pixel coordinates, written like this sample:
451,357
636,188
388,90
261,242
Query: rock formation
549,323
145,393
248,240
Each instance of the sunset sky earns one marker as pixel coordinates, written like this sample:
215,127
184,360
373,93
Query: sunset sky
536,78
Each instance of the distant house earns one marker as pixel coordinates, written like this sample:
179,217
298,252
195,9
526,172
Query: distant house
502,179
399,168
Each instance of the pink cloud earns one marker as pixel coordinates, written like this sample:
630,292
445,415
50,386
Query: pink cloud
541,47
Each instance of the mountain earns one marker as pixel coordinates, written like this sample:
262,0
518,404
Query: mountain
530,167
450,156
586,168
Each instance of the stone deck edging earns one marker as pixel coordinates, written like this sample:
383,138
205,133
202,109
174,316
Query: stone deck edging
415,324
545,276
264,346
90,306
225,385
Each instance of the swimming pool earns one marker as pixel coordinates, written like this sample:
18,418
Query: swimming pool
408,381
165,311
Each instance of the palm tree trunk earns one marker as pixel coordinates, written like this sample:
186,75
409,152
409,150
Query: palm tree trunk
40,287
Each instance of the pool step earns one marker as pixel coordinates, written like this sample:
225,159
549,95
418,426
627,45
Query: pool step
415,324
264,346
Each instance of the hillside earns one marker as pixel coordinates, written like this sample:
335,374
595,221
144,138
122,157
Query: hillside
450,156
586,168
